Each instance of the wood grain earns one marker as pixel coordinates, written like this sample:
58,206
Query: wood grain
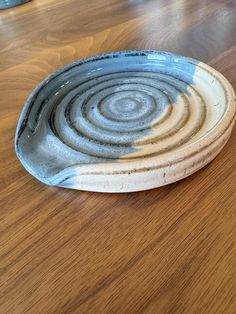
167,250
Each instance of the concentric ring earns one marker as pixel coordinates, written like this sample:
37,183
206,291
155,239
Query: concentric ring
106,118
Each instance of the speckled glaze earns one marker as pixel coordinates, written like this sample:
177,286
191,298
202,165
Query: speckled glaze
4,4
125,121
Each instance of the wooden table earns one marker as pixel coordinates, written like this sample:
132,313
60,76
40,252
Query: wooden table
167,250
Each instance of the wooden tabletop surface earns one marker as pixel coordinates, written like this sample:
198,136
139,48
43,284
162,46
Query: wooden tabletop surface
167,250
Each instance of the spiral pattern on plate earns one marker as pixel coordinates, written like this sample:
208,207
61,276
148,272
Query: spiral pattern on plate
119,108
123,113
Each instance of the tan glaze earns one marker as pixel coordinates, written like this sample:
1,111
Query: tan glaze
170,249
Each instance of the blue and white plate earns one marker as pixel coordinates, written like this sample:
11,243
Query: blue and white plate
125,121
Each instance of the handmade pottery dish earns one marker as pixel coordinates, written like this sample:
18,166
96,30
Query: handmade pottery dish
125,121
4,4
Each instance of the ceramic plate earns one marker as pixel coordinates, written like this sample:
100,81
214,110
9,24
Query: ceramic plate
125,121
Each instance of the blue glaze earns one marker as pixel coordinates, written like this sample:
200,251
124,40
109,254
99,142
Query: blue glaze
96,110
4,4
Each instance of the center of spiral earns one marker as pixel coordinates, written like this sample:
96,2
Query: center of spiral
126,104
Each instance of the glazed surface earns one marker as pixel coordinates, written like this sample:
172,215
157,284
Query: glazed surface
122,113
4,4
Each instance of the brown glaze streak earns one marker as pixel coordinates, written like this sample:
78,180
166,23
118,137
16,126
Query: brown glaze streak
231,124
